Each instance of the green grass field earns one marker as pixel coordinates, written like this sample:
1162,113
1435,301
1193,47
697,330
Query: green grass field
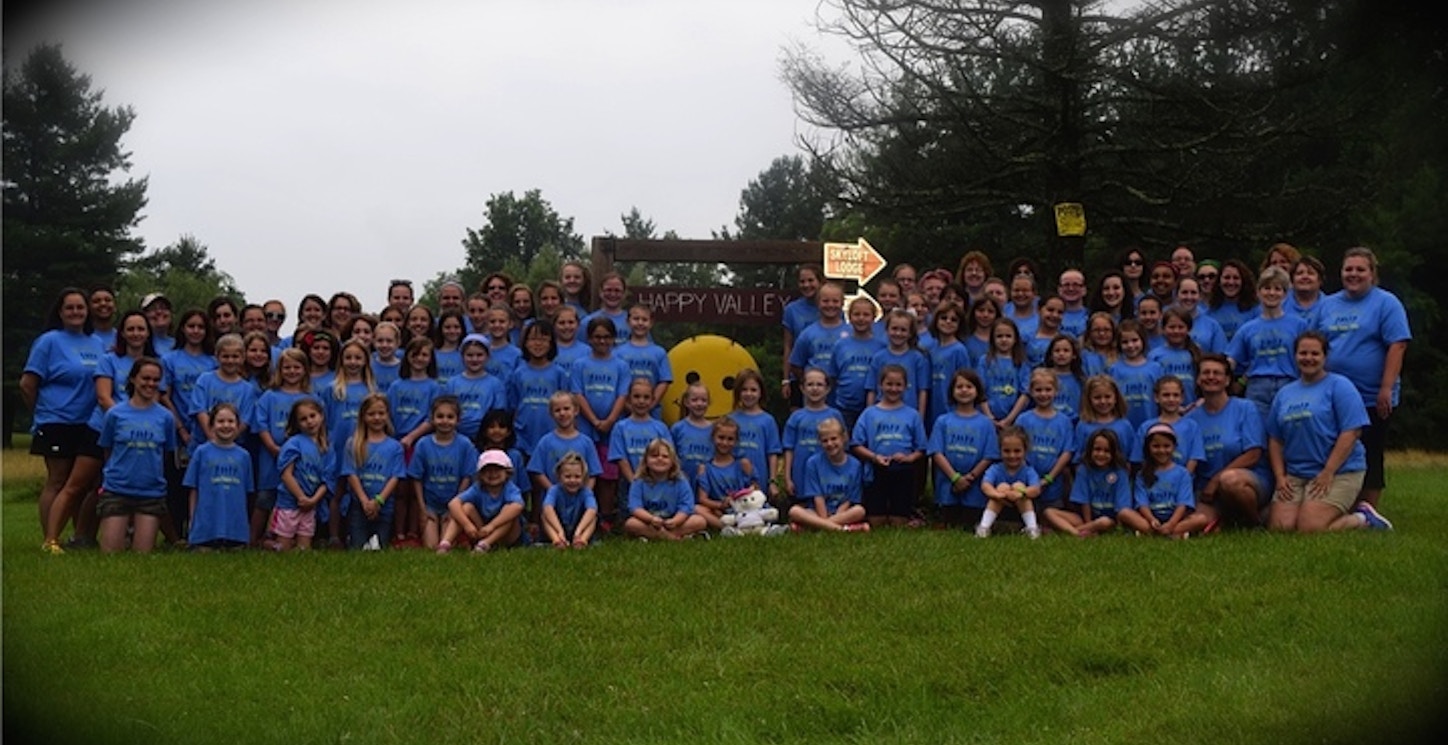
905,636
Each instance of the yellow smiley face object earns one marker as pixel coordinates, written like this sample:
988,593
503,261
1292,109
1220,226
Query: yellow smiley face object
712,361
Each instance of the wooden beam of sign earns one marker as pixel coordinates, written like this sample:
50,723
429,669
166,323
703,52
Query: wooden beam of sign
730,305
725,252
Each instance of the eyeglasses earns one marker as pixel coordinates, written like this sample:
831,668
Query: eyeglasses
1207,275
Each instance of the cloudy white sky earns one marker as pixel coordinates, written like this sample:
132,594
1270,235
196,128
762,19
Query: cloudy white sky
327,145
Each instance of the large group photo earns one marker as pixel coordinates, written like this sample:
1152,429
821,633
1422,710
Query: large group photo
769,371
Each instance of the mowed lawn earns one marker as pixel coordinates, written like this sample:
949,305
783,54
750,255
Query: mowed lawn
893,636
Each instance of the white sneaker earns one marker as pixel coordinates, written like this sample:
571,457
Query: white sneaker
1033,533
982,531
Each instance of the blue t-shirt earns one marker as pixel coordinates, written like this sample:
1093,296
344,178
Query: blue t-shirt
383,463
137,439
1208,334
1005,382
758,439
1172,487
570,353
799,313
221,476
620,322
917,374
503,360
270,415
815,346
384,375
1073,322
211,390
117,369
449,363
311,468
965,441
661,498
1036,349
1050,437
66,364
944,361
1179,363
601,382
440,469
342,413
801,438
694,443
849,369
409,400
1230,317
551,448
1068,396
1359,332
1137,384
570,506
839,483
630,438
1262,347
529,390
1106,490
647,360
999,473
718,482
890,431
1228,434
488,504
1308,417
478,396
181,370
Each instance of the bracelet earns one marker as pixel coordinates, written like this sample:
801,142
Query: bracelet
1048,480
957,477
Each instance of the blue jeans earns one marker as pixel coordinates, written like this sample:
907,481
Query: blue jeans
360,529
1262,390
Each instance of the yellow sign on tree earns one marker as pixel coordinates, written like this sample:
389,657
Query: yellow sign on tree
1070,219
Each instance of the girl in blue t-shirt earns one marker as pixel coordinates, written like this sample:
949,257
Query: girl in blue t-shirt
660,501
447,341
410,397
799,440
1100,491
759,441
830,495
478,391
849,361
632,435
901,349
1052,438
570,512
441,467
600,386
307,474
220,479
890,439
1165,503
386,364
1005,374
722,476
1134,374
693,433
1190,449
135,436
490,511
1010,482
373,467
1179,354
1103,408
226,384
533,382
962,445
1063,359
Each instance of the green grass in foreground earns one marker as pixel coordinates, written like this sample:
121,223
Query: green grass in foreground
892,636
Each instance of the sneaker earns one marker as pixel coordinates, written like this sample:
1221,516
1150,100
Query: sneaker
482,546
982,531
1374,519
857,528
444,547
1032,533
79,543
702,535
52,547
776,530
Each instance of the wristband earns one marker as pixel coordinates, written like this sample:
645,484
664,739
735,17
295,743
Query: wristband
1049,478
957,477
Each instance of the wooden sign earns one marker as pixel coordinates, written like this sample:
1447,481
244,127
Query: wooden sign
731,305
857,261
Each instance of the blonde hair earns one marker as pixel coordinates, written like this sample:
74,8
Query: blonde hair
339,384
1093,383
359,438
656,445
295,355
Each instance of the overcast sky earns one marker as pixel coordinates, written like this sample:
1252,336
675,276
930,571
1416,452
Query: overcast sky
327,145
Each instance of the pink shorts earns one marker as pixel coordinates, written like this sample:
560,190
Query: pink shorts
294,523
610,469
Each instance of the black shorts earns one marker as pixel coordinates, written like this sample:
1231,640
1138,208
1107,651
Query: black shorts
66,441
119,505
892,491
1374,438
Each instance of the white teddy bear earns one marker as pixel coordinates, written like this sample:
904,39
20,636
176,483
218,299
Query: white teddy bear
750,515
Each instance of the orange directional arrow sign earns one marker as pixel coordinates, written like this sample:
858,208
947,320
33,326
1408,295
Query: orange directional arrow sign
858,261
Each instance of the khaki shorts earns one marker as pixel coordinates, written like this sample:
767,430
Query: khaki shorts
1342,494
119,505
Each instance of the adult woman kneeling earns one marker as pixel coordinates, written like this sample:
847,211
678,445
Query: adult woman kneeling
1317,459
1234,478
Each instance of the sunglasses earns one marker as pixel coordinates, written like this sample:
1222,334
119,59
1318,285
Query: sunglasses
1134,262
274,316
1207,275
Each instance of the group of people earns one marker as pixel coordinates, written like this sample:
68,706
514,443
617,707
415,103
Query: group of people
1166,399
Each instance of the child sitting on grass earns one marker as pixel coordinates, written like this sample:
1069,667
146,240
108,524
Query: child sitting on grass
490,512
